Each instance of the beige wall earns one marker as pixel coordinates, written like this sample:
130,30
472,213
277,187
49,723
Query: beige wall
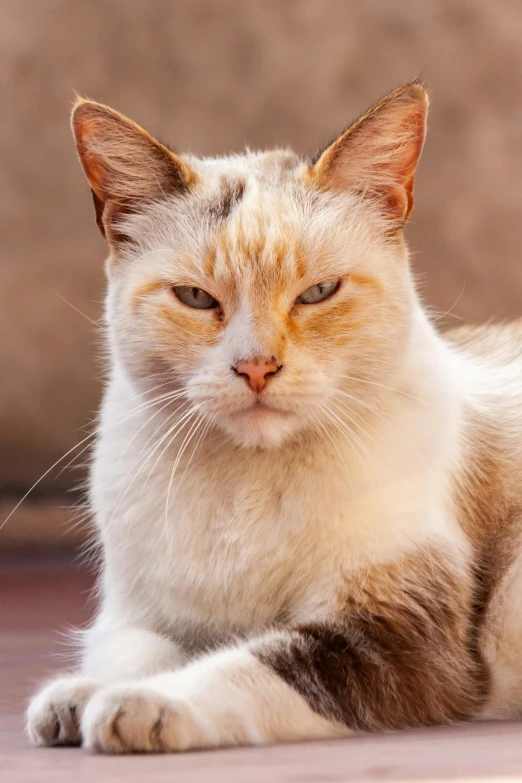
214,75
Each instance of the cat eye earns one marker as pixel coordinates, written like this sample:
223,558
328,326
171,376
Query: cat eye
195,297
318,293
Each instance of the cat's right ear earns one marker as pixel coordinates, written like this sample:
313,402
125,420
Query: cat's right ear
124,165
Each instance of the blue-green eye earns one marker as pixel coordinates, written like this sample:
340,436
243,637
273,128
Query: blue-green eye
195,297
318,293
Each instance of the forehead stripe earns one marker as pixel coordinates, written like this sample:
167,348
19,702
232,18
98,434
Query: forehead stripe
230,195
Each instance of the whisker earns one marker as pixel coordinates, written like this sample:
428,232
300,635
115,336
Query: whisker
188,437
386,421
381,386
97,325
455,303
355,437
170,397
74,448
182,420
145,424
359,448
334,444
140,464
376,473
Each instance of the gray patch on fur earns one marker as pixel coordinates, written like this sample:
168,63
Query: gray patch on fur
230,194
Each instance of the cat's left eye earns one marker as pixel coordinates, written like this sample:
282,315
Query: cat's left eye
195,297
318,293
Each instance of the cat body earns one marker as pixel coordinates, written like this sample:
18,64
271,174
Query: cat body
251,546
308,501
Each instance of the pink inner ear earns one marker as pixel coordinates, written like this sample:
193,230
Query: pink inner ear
85,128
98,209
124,165
122,160
399,202
378,155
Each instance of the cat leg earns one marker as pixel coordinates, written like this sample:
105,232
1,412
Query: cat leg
109,655
228,698
397,653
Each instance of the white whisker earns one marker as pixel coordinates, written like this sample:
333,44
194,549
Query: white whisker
94,323
386,421
174,429
383,386
188,437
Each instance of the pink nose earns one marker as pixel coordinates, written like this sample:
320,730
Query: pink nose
257,372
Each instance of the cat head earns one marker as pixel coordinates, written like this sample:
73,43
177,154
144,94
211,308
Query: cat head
270,293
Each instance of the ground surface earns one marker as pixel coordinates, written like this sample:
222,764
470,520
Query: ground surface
39,600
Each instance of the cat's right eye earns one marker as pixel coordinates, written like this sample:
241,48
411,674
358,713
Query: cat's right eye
195,297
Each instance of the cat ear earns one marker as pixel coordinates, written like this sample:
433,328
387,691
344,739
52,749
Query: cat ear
377,156
124,165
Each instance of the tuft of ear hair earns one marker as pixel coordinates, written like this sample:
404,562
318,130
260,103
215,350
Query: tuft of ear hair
378,154
124,165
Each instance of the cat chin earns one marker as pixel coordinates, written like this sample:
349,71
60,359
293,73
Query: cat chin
265,429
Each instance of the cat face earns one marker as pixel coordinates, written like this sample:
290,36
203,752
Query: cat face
271,295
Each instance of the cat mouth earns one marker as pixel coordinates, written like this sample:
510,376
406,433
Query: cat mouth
259,408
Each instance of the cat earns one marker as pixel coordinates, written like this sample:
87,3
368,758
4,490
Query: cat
308,501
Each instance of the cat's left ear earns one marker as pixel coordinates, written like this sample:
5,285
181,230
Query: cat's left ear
377,156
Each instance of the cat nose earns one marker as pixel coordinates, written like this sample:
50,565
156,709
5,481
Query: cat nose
257,372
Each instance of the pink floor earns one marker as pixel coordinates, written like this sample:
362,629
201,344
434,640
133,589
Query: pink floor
39,600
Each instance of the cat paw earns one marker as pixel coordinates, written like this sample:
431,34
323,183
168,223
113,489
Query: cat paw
54,714
137,719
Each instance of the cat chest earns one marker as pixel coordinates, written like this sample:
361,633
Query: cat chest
238,561
261,545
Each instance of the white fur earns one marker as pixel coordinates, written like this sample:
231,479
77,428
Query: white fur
263,515
201,706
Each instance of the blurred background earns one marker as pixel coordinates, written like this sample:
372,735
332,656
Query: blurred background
210,76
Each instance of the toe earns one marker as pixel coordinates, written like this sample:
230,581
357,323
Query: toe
132,721
53,714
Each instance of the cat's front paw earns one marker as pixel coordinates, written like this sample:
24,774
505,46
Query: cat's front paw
138,719
54,714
